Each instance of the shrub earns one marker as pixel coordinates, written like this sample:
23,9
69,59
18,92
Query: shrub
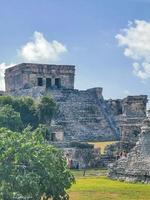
30,168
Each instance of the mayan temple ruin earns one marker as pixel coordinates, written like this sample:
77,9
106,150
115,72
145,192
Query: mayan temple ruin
135,167
83,115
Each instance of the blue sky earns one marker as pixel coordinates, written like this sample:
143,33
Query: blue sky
85,31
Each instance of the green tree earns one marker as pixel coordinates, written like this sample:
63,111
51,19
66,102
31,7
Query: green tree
31,112
47,109
30,168
27,108
10,119
4,100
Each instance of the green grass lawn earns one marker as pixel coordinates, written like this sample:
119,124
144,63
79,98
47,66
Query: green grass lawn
96,186
102,145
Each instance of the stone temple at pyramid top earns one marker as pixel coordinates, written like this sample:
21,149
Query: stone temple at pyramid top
28,75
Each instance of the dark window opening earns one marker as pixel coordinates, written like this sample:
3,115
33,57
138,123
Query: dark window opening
48,83
53,137
58,82
136,133
40,82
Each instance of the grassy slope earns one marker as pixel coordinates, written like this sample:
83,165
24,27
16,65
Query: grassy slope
99,187
101,145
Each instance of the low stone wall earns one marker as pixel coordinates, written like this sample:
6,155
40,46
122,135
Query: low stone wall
79,155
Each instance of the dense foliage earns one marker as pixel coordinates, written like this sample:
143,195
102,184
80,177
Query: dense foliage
29,111
30,168
47,108
10,119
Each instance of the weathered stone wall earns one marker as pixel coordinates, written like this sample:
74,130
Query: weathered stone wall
134,106
26,75
81,155
83,114
129,123
129,114
131,106
130,130
115,106
136,166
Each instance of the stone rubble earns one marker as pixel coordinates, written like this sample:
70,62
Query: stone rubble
136,166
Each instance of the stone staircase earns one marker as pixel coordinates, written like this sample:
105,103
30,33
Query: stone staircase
84,115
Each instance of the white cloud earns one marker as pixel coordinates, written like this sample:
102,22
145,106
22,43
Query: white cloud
136,40
142,71
3,66
41,50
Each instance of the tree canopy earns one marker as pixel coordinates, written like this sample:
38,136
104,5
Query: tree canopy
30,112
47,109
30,168
10,119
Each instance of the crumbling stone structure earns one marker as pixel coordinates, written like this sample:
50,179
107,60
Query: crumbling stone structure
129,114
83,115
28,75
136,166
80,155
135,106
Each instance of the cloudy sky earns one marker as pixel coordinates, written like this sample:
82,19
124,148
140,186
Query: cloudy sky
107,40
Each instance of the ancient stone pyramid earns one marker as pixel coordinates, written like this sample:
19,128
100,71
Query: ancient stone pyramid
136,166
84,115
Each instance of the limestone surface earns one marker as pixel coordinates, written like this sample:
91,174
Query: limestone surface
82,114
136,166
29,75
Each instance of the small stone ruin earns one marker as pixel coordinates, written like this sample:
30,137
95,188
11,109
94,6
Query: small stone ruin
135,166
